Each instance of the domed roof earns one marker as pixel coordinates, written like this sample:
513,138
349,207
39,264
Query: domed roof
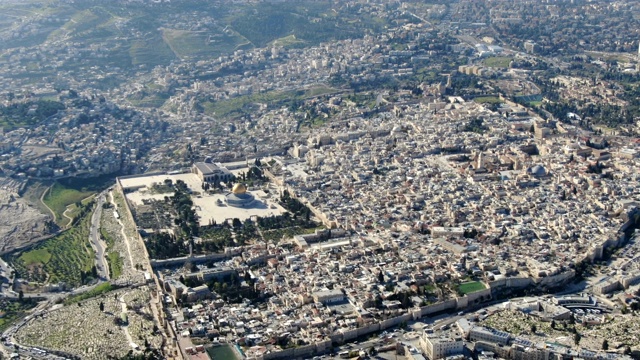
239,189
538,170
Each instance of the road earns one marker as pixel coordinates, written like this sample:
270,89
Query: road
53,214
96,242
419,18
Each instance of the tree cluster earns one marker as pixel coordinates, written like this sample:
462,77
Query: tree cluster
163,246
294,205
19,114
476,125
187,219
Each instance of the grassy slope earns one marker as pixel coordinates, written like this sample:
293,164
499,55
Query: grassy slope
113,257
115,264
60,196
62,257
98,290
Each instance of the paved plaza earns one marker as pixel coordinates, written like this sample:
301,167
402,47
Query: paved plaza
209,207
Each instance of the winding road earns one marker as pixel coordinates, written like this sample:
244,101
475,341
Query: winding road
47,206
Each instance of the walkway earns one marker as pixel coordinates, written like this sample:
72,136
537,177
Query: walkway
124,235
98,245
55,218
125,328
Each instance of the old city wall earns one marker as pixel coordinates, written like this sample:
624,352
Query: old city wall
473,298
286,353
557,279
347,335
385,324
130,217
184,259
437,307
511,282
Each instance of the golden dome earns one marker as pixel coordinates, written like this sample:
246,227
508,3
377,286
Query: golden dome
239,189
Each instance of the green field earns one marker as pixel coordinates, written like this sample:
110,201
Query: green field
62,258
287,41
36,256
60,196
222,352
239,105
151,52
84,23
488,100
319,90
262,23
106,237
155,100
497,61
113,257
185,43
115,264
67,192
470,287
74,211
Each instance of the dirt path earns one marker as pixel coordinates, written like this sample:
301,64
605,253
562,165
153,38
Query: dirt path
125,328
55,219
124,235
68,208
67,216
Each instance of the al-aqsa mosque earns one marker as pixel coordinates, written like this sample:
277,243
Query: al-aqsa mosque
239,197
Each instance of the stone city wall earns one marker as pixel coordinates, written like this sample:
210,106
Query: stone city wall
557,279
438,307
511,282
385,324
473,298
